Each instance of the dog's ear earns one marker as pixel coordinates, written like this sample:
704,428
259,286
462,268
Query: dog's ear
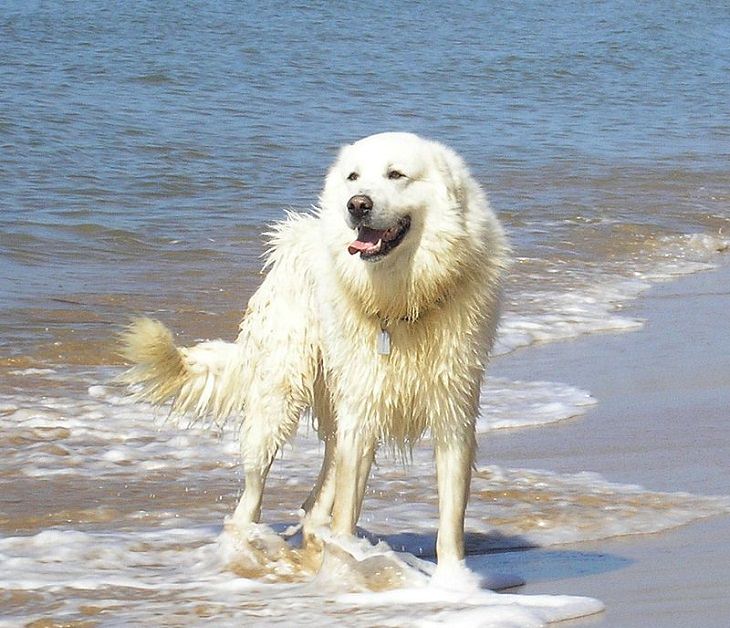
455,174
331,178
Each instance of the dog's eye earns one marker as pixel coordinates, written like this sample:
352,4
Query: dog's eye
395,174
353,176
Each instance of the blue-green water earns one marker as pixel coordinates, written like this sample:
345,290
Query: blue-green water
133,134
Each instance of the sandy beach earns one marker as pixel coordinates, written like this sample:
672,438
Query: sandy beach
661,421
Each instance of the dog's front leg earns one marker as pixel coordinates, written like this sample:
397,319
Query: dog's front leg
453,467
353,459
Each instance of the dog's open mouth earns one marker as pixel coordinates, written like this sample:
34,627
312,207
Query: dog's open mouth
375,243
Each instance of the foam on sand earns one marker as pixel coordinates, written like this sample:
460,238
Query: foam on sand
543,508
183,573
562,302
507,404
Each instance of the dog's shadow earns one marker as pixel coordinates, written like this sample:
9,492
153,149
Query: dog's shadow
496,554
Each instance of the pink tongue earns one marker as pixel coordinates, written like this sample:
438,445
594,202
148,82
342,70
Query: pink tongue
367,241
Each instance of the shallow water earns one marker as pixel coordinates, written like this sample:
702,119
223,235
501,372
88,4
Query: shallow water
145,147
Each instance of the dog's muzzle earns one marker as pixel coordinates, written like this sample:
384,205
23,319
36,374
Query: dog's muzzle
374,244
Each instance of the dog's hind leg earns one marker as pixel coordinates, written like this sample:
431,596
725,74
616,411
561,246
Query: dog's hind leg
318,505
248,509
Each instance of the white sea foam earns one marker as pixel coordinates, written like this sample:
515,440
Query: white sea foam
183,573
506,404
530,507
512,508
590,301
32,371
106,433
565,315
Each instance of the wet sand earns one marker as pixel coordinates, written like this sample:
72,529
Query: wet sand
662,421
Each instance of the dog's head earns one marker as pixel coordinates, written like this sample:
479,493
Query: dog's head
377,186
399,203
388,189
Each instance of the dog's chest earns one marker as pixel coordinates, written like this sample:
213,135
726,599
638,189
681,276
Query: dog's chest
398,361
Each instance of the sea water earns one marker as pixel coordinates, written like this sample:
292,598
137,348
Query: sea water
143,149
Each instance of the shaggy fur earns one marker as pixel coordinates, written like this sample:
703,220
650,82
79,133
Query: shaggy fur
419,260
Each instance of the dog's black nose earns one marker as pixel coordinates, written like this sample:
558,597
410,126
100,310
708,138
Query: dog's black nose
359,206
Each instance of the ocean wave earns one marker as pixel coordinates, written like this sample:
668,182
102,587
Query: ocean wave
572,304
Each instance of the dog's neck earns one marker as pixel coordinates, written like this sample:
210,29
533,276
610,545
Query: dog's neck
408,285
387,321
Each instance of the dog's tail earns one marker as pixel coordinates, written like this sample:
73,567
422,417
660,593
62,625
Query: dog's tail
203,381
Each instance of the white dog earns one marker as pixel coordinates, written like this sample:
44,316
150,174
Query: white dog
377,315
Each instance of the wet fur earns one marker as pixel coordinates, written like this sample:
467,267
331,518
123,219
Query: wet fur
308,337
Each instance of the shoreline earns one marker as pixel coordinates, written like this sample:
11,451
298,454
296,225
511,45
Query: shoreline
663,395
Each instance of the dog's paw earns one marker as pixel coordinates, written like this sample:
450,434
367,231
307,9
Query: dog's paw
456,576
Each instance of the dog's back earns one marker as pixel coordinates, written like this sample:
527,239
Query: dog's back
272,366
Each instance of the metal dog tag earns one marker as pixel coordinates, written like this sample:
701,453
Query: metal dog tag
384,342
